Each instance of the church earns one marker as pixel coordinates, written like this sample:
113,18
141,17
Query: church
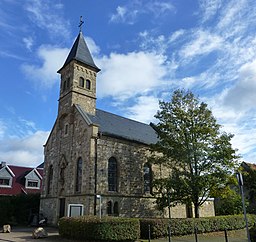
96,162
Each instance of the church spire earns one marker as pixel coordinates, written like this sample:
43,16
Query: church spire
80,52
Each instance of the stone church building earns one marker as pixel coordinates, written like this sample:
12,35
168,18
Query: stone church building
96,161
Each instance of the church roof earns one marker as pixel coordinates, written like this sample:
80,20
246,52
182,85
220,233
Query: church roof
117,126
80,52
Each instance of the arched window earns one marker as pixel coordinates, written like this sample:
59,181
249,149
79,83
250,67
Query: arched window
81,82
147,175
88,84
79,174
116,209
112,174
109,207
50,177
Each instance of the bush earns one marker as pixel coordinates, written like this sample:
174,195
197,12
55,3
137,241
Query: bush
252,232
185,226
92,228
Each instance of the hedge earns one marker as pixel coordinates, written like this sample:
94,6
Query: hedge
253,233
91,228
183,226
15,210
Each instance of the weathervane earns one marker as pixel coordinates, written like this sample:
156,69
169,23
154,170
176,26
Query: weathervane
81,23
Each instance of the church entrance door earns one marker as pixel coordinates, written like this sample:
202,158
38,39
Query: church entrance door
62,207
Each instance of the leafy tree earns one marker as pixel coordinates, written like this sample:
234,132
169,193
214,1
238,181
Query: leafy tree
229,200
249,177
199,156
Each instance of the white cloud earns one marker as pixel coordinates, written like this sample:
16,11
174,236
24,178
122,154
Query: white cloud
233,12
157,44
242,96
159,7
209,8
120,15
26,151
126,75
144,109
52,59
177,34
11,55
203,43
2,129
94,49
28,41
130,12
48,16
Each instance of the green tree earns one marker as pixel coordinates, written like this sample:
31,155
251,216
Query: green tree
229,200
191,145
249,177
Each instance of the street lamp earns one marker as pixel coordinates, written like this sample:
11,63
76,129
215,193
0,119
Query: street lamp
99,197
169,212
241,185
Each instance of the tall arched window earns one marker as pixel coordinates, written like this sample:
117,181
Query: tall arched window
112,174
88,84
147,175
116,209
50,177
81,82
109,207
79,166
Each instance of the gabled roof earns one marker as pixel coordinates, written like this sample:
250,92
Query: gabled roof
8,169
80,52
120,127
36,172
18,182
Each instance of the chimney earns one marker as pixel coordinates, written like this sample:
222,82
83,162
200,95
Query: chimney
3,164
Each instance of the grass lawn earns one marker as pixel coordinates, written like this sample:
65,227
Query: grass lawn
233,236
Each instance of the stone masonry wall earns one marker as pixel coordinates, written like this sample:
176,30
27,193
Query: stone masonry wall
66,145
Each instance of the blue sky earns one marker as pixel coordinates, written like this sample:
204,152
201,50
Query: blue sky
145,49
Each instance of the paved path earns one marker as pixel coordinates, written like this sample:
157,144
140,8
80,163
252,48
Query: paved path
25,234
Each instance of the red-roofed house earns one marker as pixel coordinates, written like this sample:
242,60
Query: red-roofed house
17,180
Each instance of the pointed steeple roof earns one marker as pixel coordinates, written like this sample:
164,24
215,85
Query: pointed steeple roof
80,52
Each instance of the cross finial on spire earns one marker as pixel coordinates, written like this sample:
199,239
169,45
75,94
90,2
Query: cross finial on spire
81,23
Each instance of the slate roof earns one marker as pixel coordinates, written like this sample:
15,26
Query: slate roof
80,52
117,126
18,183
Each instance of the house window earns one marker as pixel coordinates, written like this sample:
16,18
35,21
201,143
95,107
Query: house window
50,177
32,184
112,175
81,82
88,84
5,182
79,175
147,171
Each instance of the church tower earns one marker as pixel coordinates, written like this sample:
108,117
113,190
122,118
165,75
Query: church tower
78,79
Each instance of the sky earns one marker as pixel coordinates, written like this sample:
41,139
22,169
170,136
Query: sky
145,49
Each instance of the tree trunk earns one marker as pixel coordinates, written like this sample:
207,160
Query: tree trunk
196,206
